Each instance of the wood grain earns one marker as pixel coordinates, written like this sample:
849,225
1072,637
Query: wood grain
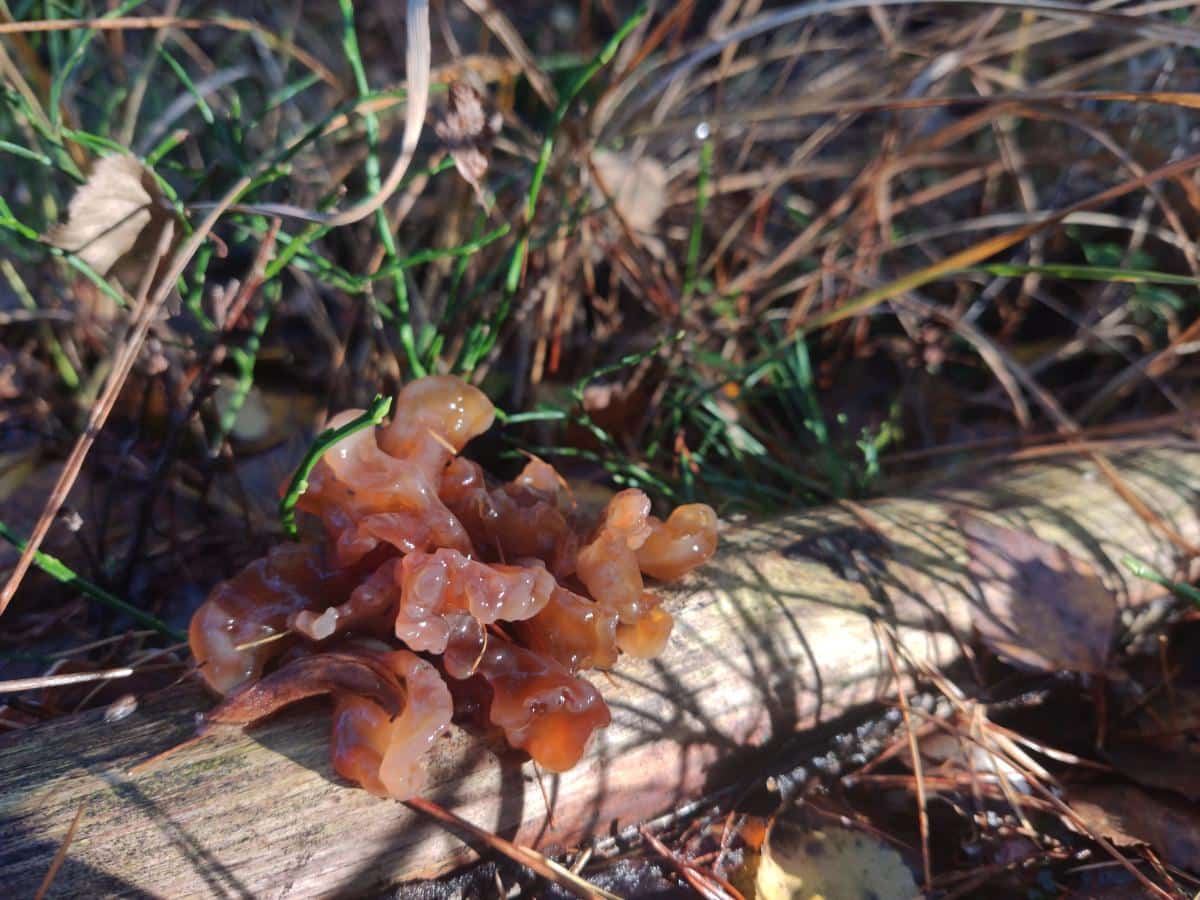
774,637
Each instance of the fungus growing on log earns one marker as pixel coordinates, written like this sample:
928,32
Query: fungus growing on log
451,586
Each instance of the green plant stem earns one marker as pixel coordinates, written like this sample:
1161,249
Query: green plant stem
1086,273
246,358
483,336
379,408
1145,572
60,571
404,327
693,255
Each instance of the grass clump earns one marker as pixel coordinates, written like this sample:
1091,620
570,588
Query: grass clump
759,258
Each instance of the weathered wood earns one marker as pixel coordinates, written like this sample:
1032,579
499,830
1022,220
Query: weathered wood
773,637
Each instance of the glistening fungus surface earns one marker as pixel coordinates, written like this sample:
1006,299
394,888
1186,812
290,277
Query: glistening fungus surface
505,591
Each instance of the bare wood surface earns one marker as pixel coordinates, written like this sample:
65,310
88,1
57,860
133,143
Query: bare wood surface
773,638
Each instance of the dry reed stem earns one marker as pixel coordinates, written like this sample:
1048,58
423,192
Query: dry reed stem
60,856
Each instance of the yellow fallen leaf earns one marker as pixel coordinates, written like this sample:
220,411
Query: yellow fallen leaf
800,863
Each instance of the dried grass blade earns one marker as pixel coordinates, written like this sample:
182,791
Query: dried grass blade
888,641
503,29
17,685
155,23
977,253
60,856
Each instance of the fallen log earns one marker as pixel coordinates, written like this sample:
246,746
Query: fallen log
777,635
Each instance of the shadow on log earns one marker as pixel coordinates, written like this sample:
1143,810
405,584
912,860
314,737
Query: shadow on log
776,636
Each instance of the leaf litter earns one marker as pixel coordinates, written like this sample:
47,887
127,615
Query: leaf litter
108,216
1038,605
468,132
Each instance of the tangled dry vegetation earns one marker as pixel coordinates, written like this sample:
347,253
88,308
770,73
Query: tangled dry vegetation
745,254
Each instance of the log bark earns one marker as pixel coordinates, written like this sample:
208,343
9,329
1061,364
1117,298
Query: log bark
774,637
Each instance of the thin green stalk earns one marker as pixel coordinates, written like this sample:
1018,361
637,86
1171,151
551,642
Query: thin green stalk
627,361
202,106
245,359
1143,571
1086,273
60,571
421,257
399,280
66,371
24,153
693,255
378,410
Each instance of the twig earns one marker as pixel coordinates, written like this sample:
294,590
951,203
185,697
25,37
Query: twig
60,855
379,408
547,868
887,639
699,881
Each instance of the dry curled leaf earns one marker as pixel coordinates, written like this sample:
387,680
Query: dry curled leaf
638,187
107,218
801,863
310,676
468,132
1129,816
1038,605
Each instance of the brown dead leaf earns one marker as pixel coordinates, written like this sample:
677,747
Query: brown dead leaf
1129,816
638,187
1170,720
109,213
1038,605
310,676
468,133
1173,770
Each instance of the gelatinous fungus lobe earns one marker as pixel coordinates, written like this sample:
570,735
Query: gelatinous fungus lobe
382,752
366,497
501,586
369,610
445,593
541,707
381,485
433,419
576,632
675,547
235,632
528,518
